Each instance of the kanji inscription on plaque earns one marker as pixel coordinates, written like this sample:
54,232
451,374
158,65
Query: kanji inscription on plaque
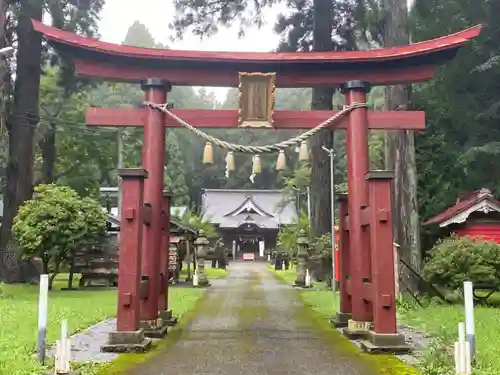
256,99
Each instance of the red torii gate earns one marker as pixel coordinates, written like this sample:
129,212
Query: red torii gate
367,294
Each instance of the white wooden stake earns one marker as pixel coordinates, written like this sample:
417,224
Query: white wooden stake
467,358
195,278
283,265
469,318
462,353
43,300
63,351
456,347
461,332
308,279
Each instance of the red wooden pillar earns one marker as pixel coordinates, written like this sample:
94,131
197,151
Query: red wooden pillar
345,312
383,337
129,266
164,312
128,337
382,258
357,167
153,156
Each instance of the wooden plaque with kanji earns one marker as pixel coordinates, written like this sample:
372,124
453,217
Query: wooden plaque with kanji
173,254
256,100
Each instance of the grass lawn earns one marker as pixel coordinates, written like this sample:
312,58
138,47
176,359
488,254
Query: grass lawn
437,320
18,318
441,321
324,304
319,298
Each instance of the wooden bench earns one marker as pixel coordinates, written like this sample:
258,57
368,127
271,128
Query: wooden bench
96,268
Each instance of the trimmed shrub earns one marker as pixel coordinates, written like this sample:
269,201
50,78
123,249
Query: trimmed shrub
455,260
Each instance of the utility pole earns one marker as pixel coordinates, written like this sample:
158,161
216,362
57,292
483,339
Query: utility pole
331,154
308,189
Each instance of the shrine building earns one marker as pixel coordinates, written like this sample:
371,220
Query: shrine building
476,214
248,221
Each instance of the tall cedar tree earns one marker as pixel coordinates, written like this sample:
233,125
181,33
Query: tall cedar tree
400,145
459,149
21,127
24,116
80,16
385,23
319,25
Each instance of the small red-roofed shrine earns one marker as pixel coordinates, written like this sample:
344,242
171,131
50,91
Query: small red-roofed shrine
476,214
366,256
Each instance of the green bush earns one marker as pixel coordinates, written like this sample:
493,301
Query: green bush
322,246
455,260
55,223
288,235
197,222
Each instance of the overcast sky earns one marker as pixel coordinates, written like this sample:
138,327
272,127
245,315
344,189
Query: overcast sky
118,15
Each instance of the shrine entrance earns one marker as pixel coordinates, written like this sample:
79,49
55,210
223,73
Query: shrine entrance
367,303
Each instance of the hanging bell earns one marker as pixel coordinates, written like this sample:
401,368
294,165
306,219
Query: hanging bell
230,165
281,162
303,152
256,168
208,154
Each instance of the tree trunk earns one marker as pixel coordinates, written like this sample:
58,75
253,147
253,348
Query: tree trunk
321,99
5,89
48,151
22,123
400,148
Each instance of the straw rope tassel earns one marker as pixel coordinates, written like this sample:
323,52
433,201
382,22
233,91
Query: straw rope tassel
281,162
256,168
303,152
208,153
230,164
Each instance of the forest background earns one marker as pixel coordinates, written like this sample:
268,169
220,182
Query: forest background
44,138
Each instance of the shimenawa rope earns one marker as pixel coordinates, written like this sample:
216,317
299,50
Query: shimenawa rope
256,149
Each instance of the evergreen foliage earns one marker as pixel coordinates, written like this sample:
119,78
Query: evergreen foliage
55,223
455,260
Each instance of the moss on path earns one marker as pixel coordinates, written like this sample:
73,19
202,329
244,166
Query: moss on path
249,323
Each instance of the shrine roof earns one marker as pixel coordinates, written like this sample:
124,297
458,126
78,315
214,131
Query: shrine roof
180,227
176,225
479,200
107,60
232,208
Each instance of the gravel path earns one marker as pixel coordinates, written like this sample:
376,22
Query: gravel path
251,324
86,345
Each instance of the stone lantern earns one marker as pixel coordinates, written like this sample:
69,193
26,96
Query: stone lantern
201,247
302,257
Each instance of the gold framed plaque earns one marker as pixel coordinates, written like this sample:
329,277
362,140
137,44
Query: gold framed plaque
256,99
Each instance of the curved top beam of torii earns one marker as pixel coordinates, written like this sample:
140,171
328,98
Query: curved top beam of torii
404,64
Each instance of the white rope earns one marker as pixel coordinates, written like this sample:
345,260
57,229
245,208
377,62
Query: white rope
256,149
